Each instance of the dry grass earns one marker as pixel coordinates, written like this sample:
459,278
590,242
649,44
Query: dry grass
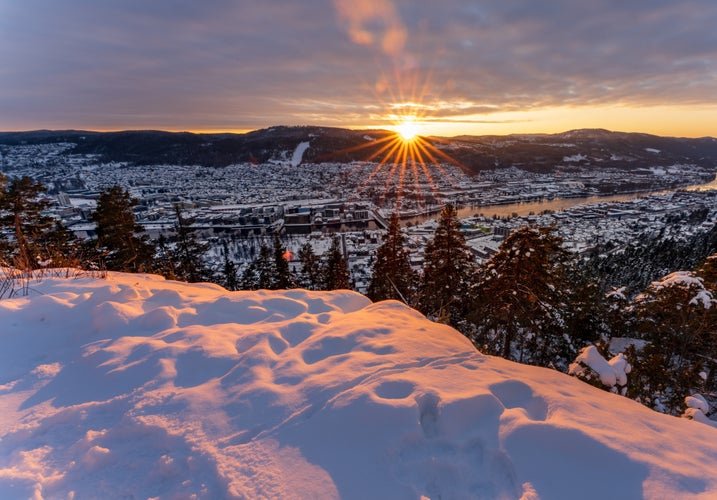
16,282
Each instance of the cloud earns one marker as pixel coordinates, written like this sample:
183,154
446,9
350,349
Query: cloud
374,23
239,65
578,52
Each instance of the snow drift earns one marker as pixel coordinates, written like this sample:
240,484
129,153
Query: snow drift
137,387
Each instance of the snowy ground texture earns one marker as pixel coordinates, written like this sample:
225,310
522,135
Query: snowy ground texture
136,387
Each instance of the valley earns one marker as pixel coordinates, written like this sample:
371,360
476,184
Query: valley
241,205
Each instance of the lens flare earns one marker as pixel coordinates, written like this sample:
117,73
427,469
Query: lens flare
403,170
407,174
407,129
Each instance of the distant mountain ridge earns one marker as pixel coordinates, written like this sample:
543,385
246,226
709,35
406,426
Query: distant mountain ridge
534,152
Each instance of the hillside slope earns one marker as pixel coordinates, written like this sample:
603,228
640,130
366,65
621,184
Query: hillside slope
597,149
136,387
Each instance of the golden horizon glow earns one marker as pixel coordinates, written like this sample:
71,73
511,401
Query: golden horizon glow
670,121
430,117
688,121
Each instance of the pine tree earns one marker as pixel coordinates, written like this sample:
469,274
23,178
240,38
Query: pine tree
310,272
335,272
708,272
164,261
677,316
5,246
249,278
447,270
618,313
21,215
261,272
649,257
392,276
60,248
521,300
119,237
189,252
586,308
282,275
264,265
230,279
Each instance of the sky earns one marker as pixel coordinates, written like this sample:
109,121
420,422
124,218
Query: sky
454,67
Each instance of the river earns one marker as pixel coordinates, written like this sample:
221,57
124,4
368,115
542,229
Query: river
556,204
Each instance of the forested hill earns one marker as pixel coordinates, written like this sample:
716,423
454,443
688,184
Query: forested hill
539,152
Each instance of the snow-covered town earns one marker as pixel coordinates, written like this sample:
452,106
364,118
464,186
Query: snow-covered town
242,205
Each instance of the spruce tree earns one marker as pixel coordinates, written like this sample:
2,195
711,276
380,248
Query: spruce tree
677,316
447,269
264,268
21,215
618,317
119,237
230,278
4,243
282,275
189,252
708,272
164,260
584,307
310,271
521,300
249,278
261,272
335,272
392,276
61,248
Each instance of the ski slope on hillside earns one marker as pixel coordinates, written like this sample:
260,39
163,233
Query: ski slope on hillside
137,387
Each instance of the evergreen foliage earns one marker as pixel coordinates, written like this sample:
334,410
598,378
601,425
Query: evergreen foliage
618,313
335,271
119,238
636,265
230,277
188,252
586,314
524,298
531,302
282,274
392,276
708,272
21,216
249,278
265,268
270,269
310,272
164,262
677,316
448,267
61,248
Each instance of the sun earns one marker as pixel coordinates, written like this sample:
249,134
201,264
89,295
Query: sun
408,168
408,130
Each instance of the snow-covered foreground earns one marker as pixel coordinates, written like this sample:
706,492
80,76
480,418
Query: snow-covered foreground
136,387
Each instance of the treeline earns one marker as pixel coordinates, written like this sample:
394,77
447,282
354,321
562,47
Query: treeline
533,302
31,240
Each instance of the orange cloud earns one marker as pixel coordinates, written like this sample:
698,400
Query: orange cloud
373,23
